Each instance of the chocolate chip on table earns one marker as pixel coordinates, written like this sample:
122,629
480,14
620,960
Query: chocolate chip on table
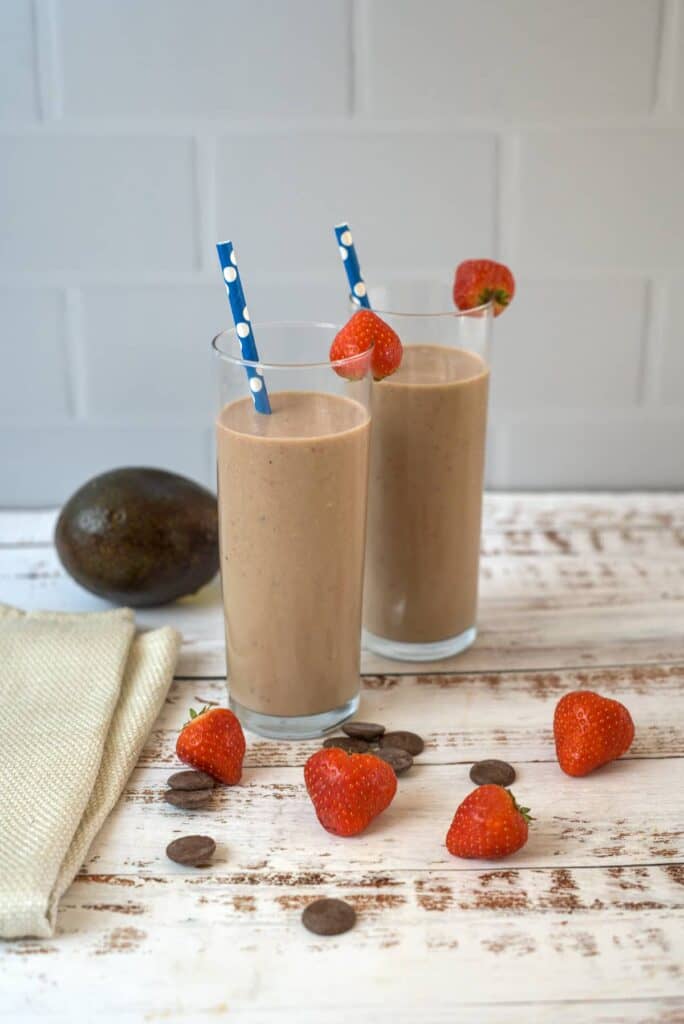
364,730
191,780
498,773
352,746
398,759
188,799
192,850
329,917
408,741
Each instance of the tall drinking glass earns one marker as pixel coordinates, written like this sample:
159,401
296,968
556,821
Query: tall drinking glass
292,490
426,477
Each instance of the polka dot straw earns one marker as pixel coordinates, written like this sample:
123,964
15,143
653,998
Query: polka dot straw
350,262
243,326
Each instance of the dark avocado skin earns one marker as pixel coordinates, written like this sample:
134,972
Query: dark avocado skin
139,536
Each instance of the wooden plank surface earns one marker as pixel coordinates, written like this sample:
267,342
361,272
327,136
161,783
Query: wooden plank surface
631,813
586,923
550,611
462,715
418,936
502,511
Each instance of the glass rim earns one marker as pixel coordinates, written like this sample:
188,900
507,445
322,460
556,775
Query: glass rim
261,364
446,313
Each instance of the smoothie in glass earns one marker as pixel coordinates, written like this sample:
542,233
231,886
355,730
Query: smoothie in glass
292,495
292,528
426,479
425,496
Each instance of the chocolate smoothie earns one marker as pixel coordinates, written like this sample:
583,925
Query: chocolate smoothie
425,496
292,504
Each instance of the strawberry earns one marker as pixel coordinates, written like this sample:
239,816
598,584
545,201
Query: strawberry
590,730
479,281
489,823
348,790
363,330
213,742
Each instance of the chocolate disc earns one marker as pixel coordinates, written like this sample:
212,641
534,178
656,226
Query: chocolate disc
398,759
329,917
364,730
191,780
188,799
352,746
409,741
498,773
191,850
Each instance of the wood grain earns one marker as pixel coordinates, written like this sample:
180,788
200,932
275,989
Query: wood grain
570,510
535,612
464,717
630,812
411,932
502,511
585,924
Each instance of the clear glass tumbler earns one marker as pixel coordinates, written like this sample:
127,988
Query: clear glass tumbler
426,477
292,495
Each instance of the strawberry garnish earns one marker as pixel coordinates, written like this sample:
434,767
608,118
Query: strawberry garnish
348,790
590,730
489,824
363,330
213,742
480,281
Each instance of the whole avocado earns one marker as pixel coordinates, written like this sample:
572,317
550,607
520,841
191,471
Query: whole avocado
139,536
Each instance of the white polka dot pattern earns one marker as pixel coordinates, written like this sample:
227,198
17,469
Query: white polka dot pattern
350,262
241,318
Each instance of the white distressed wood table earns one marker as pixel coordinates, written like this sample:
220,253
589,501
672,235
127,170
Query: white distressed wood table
586,923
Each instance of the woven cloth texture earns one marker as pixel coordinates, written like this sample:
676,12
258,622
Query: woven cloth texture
78,697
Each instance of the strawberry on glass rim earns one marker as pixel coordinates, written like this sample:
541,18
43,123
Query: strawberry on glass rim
478,282
363,330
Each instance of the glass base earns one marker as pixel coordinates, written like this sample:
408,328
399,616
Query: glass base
419,652
295,727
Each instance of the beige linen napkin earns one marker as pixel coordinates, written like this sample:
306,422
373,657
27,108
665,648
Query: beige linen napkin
78,697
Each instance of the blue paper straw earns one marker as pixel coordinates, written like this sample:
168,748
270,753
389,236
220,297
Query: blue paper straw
350,261
243,327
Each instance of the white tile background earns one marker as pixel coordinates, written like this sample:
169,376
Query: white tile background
134,133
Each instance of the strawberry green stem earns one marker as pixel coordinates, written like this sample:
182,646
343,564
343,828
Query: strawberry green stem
196,714
525,811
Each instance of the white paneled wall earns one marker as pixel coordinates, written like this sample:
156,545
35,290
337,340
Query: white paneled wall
134,133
